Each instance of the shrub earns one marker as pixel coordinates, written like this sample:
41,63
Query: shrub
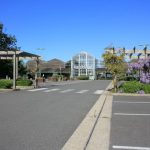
146,88
83,78
131,87
6,84
23,82
127,78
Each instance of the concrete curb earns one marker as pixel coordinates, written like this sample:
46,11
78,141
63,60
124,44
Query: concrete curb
24,87
17,88
81,137
129,94
101,135
6,90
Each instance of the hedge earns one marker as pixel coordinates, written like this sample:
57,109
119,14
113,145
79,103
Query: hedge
146,88
134,87
131,87
24,82
6,84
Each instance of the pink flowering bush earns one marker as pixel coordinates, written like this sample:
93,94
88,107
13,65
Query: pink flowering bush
142,68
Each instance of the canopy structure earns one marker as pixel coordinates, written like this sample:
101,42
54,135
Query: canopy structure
133,53
19,54
16,55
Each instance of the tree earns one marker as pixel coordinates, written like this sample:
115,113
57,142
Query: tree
6,68
115,64
7,42
35,66
22,69
32,66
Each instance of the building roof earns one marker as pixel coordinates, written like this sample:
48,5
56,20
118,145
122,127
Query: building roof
55,64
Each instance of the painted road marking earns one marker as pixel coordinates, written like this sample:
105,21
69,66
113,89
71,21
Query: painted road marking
68,90
82,91
51,90
126,114
130,147
99,92
124,102
40,89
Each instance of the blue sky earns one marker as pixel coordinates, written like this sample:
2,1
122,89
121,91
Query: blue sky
66,27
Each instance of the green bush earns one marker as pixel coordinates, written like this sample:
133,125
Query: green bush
127,78
24,82
146,88
6,84
131,87
83,78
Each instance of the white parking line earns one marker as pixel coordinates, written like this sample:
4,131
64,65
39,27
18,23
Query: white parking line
82,91
130,147
126,114
99,92
51,90
124,102
40,89
68,90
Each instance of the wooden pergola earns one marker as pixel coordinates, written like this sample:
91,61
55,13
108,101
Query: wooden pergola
145,53
16,55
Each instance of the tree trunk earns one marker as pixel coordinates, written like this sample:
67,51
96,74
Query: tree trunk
115,83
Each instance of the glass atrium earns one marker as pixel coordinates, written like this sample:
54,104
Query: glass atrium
83,64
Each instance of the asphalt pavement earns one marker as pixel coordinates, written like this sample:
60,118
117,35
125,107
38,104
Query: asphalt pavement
40,120
130,126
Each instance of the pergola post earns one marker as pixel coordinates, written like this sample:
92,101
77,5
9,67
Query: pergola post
72,73
17,59
14,71
37,71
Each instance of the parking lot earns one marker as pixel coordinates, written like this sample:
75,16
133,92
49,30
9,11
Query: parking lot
130,127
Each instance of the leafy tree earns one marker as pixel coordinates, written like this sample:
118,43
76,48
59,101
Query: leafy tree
115,64
22,69
7,42
6,68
